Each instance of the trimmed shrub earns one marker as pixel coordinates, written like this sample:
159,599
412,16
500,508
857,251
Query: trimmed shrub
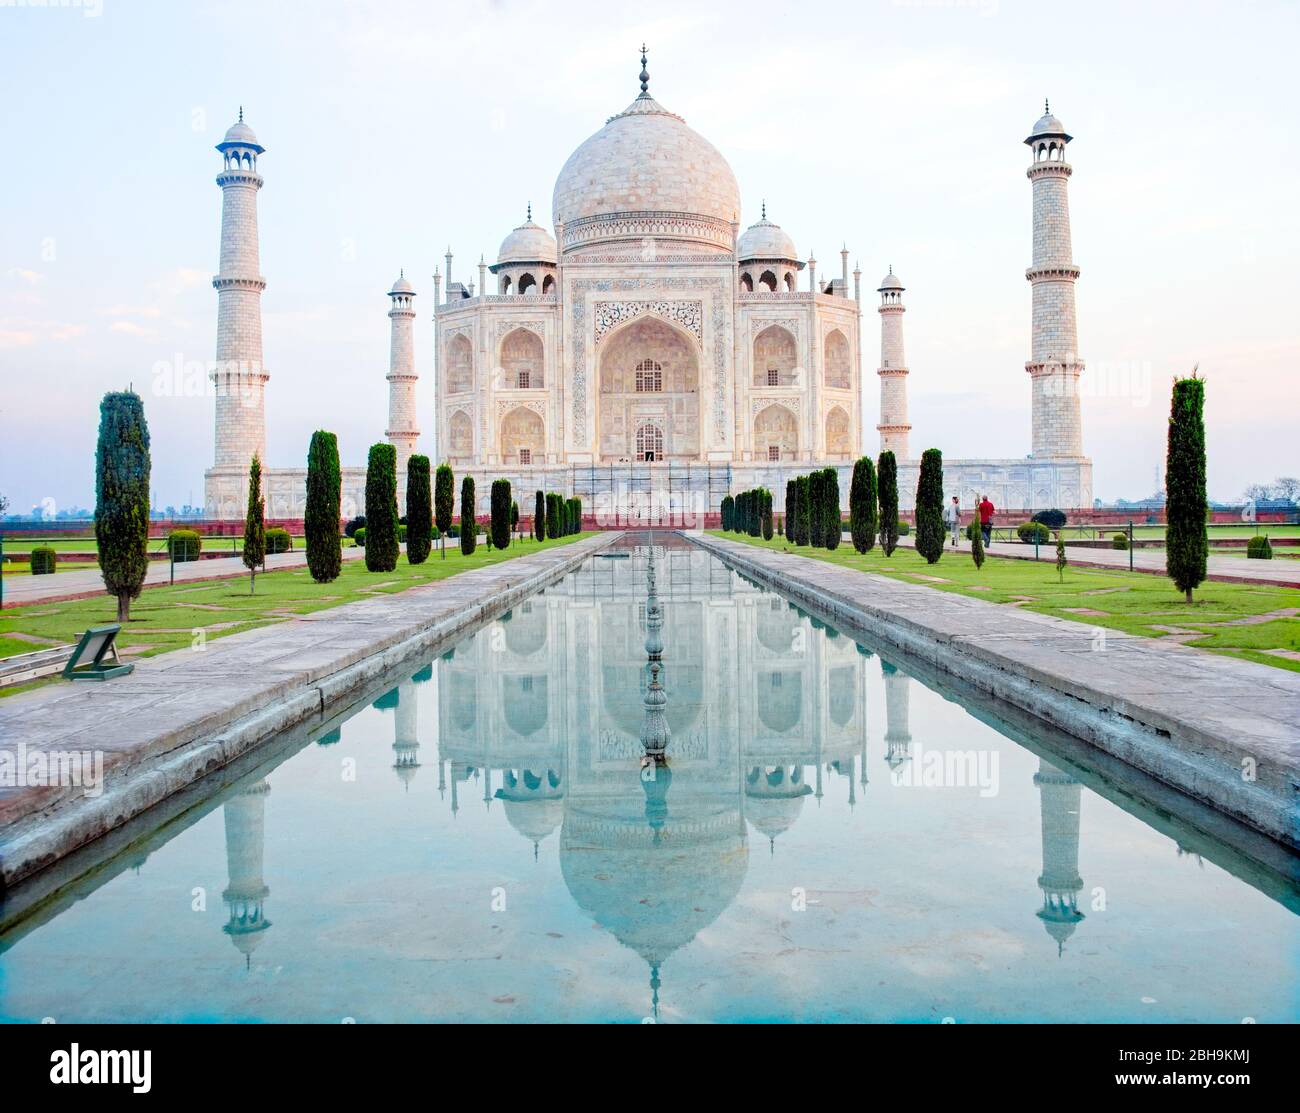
1257,548
554,527
184,545
321,518
359,538
278,540
444,503
468,522
929,506
254,524
864,517
791,508
577,515
904,529
353,525
401,533
381,508
419,510
833,526
817,509
765,513
803,527
44,559
1187,542
1033,532
1052,519
500,531
122,466
539,517
1119,541
435,534
887,478
728,507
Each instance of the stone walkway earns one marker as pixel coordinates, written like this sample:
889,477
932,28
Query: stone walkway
88,582
1225,569
1222,730
180,715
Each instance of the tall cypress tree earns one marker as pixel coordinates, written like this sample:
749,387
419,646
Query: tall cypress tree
756,512
863,517
1186,537
122,467
887,476
766,513
803,523
514,516
321,517
500,513
791,508
419,510
817,509
554,527
468,518
833,531
444,504
255,524
539,517
381,508
728,505
929,506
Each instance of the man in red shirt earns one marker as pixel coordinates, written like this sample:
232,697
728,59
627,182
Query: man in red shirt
986,509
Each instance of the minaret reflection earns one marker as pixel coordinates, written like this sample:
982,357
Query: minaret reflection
406,733
1060,881
898,735
245,816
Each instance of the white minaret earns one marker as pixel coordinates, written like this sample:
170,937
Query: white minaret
898,733
402,431
239,376
247,892
1055,365
1060,880
893,425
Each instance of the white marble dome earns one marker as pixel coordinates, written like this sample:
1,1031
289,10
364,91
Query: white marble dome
646,163
1048,127
529,243
766,240
891,281
402,285
240,135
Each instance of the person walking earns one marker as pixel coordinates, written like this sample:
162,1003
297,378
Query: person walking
952,518
986,511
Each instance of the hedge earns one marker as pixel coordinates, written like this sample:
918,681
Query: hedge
1119,541
43,560
184,545
278,540
1259,548
1031,532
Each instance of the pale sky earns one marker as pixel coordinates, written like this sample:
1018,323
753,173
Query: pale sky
394,129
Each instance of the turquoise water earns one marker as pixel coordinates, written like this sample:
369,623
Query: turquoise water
487,841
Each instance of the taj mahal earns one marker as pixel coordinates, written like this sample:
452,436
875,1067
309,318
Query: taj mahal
651,347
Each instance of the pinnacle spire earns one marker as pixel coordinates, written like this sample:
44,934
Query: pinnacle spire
1047,108
764,208
241,113
530,212
645,75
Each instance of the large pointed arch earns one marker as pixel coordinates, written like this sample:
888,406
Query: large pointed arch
649,374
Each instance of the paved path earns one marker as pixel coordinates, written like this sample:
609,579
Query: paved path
88,582
1225,569
180,715
1195,720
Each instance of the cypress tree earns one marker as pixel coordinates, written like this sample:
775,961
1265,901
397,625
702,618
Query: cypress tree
756,512
817,509
742,517
766,514
803,531
321,517
381,508
977,543
539,517
834,529
1186,538
444,504
791,508
577,515
122,467
468,519
255,524
887,477
419,510
929,506
500,513
553,525
728,505
514,516
863,517
1061,562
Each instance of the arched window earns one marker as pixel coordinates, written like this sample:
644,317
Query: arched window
837,361
505,284
768,281
522,360
526,283
460,365
548,284
649,442
649,379
747,283
789,281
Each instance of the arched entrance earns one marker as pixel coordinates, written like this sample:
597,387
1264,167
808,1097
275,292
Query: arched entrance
837,433
649,393
522,360
776,434
523,437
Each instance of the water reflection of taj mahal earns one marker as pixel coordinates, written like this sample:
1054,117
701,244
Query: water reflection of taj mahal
553,709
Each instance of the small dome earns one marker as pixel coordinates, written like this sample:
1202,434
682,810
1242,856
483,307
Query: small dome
1048,127
891,281
240,135
529,243
766,240
402,286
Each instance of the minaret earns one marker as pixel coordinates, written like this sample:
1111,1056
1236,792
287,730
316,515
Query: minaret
406,733
898,733
1060,880
893,426
247,892
402,432
1055,365
238,375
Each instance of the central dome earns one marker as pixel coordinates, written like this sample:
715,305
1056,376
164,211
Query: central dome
645,173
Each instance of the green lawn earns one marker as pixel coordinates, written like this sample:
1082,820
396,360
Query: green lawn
166,618
1135,602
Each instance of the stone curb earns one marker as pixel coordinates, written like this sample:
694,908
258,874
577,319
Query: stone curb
1036,665
43,825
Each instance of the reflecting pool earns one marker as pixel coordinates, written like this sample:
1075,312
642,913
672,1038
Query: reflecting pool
691,803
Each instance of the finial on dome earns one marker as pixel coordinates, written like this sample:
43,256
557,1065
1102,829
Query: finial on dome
530,212
645,76
1047,108
764,208
241,113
